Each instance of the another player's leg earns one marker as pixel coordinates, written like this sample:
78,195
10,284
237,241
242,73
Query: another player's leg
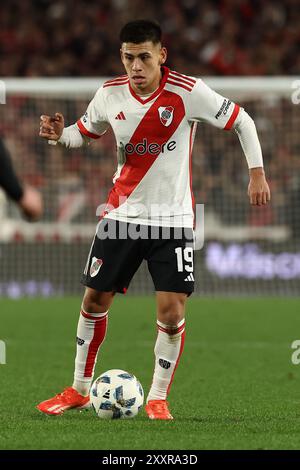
168,349
91,333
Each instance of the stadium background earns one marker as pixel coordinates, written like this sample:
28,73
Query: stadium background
247,250
205,39
248,50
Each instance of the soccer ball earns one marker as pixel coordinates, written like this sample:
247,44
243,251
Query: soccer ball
116,394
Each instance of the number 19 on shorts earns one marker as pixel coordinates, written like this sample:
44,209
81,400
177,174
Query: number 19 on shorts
184,259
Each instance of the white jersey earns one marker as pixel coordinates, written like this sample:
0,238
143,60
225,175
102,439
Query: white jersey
153,181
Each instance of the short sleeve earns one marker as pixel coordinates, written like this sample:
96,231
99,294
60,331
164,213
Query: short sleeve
208,106
94,122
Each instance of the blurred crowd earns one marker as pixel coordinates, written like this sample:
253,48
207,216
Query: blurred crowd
207,37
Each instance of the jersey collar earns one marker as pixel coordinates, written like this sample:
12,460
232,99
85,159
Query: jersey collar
165,71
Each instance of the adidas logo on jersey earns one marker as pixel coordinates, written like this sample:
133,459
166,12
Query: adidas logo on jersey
121,116
190,277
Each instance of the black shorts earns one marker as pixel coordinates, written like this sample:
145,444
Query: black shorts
119,248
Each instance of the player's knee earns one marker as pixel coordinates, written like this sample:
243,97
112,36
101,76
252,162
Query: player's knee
170,318
171,313
171,308
97,302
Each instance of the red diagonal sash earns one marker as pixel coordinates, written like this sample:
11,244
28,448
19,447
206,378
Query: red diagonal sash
152,129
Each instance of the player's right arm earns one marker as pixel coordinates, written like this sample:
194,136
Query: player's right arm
92,125
53,129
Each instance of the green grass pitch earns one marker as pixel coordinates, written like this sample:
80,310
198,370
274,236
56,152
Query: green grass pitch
235,388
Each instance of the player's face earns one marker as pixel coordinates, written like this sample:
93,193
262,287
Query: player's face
142,63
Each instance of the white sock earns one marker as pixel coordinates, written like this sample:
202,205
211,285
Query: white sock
91,333
168,349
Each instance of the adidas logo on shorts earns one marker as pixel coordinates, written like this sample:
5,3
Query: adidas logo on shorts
190,277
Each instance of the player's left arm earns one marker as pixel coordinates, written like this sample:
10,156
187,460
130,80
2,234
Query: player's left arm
207,105
258,188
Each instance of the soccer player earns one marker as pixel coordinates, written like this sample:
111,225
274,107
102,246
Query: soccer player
28,199
153,112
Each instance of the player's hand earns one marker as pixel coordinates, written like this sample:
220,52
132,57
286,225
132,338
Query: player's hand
31,204
258,189
51,127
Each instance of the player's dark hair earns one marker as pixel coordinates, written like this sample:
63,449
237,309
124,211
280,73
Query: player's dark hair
141,31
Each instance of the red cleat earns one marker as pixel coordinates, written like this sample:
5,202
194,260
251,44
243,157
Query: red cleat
66,400
158,409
